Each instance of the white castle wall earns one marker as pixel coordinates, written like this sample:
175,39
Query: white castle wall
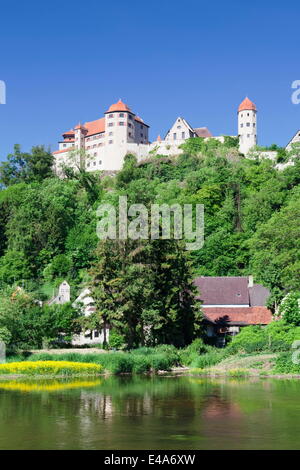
247,130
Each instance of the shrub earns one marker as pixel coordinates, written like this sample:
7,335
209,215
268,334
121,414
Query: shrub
285,365
116,340
208,359
290,308
141,365
275,337
192,352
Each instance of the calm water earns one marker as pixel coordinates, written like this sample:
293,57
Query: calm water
150,413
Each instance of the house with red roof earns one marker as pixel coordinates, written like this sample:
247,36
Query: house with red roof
230,303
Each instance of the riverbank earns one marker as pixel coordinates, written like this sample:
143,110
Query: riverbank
165,359
256,365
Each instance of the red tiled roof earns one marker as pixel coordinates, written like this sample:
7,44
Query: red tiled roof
95,127
70,132
247,105
119,106
238,315
80,126
68,149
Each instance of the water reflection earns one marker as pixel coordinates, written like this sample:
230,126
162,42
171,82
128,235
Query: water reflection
149,412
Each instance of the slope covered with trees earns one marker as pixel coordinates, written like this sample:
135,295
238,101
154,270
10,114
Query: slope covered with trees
48,233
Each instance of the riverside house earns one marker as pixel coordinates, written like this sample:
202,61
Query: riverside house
230,303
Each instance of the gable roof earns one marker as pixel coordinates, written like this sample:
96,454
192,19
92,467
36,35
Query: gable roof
258,295
202,132
223,290
291,141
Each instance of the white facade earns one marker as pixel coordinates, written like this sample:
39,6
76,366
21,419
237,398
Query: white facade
86,302
104,142
247,126
63,296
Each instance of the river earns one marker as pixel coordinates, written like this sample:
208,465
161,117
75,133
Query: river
154,413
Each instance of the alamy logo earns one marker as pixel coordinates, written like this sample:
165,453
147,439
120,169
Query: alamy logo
2,92
296,93
159,222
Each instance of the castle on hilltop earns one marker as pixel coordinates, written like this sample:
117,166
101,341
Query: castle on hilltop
107,140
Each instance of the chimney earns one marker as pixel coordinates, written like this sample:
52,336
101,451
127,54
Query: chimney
250,281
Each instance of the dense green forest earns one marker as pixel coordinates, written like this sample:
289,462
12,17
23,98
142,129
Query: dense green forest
48,233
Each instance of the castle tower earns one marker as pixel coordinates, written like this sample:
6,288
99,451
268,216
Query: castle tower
119,125
247,125
80,132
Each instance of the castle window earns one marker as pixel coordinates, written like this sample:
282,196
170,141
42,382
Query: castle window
94,163
183,135
111,133
110,124
88,164
242,125
130,117
121,115
129,133
142,135
100,162
95,155
248,124
254,124
178,127
174,136
110,141
248,135
129,125
121,123
110,115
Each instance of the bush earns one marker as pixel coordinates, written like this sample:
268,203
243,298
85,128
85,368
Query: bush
208,359
141,365
285,365
160,362
138,361
116,340
191,353
275,337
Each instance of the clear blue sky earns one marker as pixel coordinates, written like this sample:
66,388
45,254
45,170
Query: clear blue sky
67,61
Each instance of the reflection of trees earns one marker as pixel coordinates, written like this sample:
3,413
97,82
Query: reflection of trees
151,412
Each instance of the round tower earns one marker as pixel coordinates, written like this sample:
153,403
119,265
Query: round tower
247,125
